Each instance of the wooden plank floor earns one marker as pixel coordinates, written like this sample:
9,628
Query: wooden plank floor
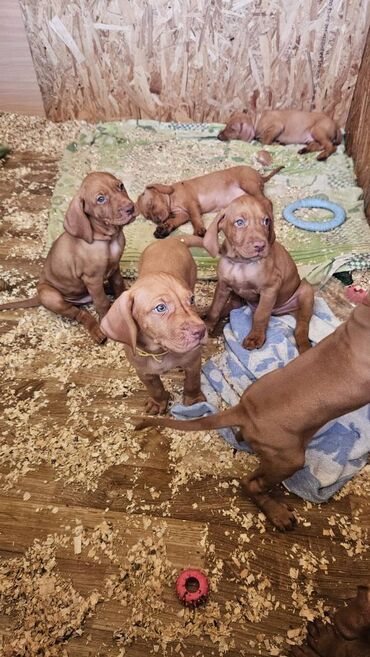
89,507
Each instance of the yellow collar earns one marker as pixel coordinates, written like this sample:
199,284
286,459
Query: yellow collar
147,354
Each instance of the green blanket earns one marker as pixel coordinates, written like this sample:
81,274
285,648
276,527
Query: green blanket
141,152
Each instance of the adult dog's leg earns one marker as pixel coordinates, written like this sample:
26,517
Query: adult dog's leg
53,300
273,471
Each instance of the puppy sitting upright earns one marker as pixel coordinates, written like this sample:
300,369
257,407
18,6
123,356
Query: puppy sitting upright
157,322
315,129
257,269
170,206
86,255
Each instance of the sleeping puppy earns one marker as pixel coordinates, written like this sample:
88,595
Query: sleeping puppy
170,206
157,322
315,129
258,270
86,255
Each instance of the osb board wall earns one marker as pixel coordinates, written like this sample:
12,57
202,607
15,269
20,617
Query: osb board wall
19,90
194,59
358,127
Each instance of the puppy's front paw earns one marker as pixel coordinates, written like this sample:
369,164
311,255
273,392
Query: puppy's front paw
201,231
254,340
157,407
189,401
303,151
303,346
97,335
161,231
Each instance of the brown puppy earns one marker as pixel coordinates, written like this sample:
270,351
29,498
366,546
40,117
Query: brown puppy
170,206
86,254
157,322
258,269
279,414
348,636
316,129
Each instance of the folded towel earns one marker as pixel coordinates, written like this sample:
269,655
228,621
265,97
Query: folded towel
337,451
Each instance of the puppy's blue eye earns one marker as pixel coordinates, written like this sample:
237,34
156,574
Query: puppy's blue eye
161,308
101,199
265,221
239,223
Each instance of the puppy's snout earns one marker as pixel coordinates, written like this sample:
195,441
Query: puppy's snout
259,245
129,208
198,331
221,136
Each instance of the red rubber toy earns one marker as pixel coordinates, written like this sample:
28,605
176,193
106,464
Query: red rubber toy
192,588
355,293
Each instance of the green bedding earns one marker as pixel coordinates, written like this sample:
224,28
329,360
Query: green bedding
141,152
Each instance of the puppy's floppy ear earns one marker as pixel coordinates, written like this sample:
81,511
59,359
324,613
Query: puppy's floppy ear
270,214
210,240
76,222
118,324
162,189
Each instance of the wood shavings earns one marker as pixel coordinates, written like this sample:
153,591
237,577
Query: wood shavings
47,609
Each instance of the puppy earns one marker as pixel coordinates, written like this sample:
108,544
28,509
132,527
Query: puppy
315,129
157,322
258,270
281,412
86,255
170,206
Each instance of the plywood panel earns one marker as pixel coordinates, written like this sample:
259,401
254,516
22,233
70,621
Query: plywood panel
197,60
357,128
19,90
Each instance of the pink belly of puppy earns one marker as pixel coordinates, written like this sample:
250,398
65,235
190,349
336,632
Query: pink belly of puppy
289,136
217,199
78,302
285,308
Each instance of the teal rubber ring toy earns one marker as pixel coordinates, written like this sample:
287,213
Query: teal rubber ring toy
315,226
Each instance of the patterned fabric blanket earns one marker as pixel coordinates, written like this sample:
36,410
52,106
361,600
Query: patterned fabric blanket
142,151
337,451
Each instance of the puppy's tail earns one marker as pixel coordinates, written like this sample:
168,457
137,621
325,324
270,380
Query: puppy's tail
232,417
272,173
31,302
